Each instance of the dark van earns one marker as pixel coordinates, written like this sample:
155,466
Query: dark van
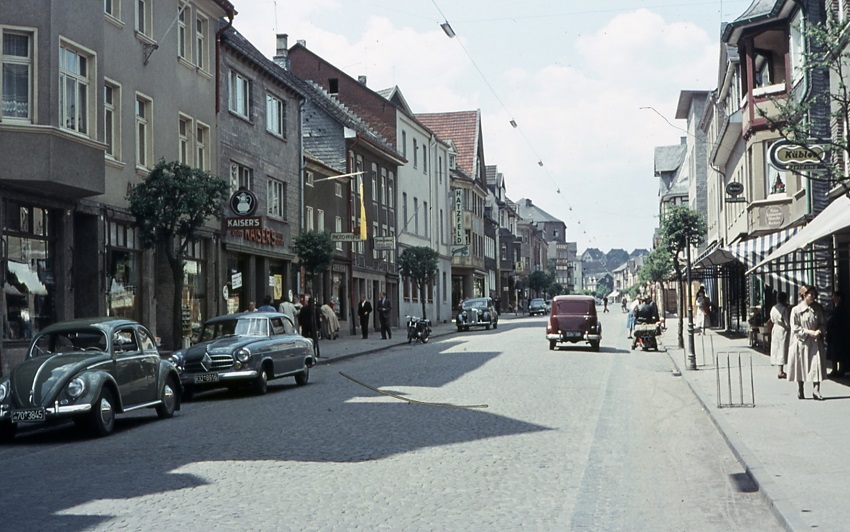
573,319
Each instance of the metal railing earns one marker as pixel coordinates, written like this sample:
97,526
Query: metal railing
731,386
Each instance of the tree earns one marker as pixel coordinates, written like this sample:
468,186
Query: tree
170,205
657,266
555,289
420,263
315,251
539,281
681,227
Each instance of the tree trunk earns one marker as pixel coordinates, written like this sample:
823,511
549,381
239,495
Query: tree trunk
176,264
422,297
681,309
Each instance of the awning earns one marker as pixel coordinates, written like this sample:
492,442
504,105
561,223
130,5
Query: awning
714,256
831,220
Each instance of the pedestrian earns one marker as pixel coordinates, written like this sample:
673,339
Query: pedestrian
605,304
330,323
837,340
384,308
252,307
780,316
267,305
630,317
364,309
625,303
701,310
805,352
308,318
287,308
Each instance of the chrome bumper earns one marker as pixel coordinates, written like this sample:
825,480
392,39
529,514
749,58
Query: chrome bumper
587,337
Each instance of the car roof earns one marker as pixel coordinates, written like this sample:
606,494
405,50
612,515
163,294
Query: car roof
574,297
101,322
246,314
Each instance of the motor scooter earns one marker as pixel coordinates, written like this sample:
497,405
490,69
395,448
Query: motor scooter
418,329
645,335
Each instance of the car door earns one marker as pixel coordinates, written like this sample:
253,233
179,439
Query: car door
132,368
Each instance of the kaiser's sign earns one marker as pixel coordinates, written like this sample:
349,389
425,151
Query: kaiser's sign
787,156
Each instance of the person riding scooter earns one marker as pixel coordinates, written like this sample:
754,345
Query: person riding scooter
646,314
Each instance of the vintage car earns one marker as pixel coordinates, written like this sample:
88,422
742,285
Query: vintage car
573,319
477,312
537,306
88,370
245,349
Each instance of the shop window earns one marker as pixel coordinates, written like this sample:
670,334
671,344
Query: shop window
193,299
124,274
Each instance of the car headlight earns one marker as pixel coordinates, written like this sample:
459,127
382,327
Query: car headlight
76,387
176,358
243,355
4,390
486,315
463,313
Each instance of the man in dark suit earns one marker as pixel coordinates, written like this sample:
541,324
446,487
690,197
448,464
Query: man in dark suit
384,308
364,309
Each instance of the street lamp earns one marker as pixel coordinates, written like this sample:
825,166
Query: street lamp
692,357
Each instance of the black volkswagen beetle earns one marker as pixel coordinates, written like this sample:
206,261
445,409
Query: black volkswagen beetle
248,348
477,312
88,370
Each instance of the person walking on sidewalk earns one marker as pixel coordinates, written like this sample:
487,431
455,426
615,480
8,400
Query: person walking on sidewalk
384,308
805,354
780,315
837,340
605,304
364,310
630,318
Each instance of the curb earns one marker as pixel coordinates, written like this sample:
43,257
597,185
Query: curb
770,492
326,361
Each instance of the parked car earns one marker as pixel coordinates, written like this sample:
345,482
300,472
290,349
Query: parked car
537,306
245,349
88,370
572,320
477,312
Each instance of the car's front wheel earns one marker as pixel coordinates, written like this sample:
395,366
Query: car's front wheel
168,400
495,324
261,383
552,345
101,419
7,432
594,345
302,377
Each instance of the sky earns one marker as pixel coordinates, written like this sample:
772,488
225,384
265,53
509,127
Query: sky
592,86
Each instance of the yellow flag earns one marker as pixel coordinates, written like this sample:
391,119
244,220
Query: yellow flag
362,213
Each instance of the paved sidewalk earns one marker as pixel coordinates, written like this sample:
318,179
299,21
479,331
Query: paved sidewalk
795,450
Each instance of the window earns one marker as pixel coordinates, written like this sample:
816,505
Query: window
112,8
144,16
440,168
201,52
375,252
383,186
442,228
144,131
308,221
184,48
374,182
308,178
16,56
338,189
241,177
424,158
112,119
416,216
240,95
404,209
124,274
184,150
338,229
797,46
202,139
404,143
275,116
415,153
392,251
320,220
274,197
74,89
333,86
390,194
425,216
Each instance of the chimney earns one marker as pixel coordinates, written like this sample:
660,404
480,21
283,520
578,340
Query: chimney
362,80
282,55
302,42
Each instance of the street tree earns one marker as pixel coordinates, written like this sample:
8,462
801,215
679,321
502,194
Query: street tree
657,267
315,251
420,264
170,205
556,289
681,227
539,281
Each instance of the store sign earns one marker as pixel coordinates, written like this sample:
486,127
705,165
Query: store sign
384,242
345,237
458,225
243,202
247,222
236,281
787,156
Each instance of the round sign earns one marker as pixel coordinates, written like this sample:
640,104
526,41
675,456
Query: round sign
734,188
243,202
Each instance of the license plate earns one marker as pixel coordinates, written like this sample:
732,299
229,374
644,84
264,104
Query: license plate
31,414
572,334
207,377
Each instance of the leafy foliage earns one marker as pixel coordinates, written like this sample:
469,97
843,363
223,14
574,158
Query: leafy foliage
315,250
539,281
170,205
420,264
657,266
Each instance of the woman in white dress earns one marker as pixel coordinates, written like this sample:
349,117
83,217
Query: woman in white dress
780,315
700,311
806,354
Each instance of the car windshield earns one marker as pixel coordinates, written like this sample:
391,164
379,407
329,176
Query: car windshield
73,340
574,307
475,303
240,326
537,303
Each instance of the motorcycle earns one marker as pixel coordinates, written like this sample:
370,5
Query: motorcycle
418,329
644,335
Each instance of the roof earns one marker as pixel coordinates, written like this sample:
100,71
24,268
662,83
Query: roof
669,158
686,100
237,42
463,129
527,210
759,12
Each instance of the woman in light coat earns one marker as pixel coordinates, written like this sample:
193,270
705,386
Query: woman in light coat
330,323
805,354
780,315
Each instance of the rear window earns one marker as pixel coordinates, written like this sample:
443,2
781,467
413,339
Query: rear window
573,307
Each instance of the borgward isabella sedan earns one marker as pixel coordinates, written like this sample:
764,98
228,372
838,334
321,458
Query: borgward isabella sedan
88,370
